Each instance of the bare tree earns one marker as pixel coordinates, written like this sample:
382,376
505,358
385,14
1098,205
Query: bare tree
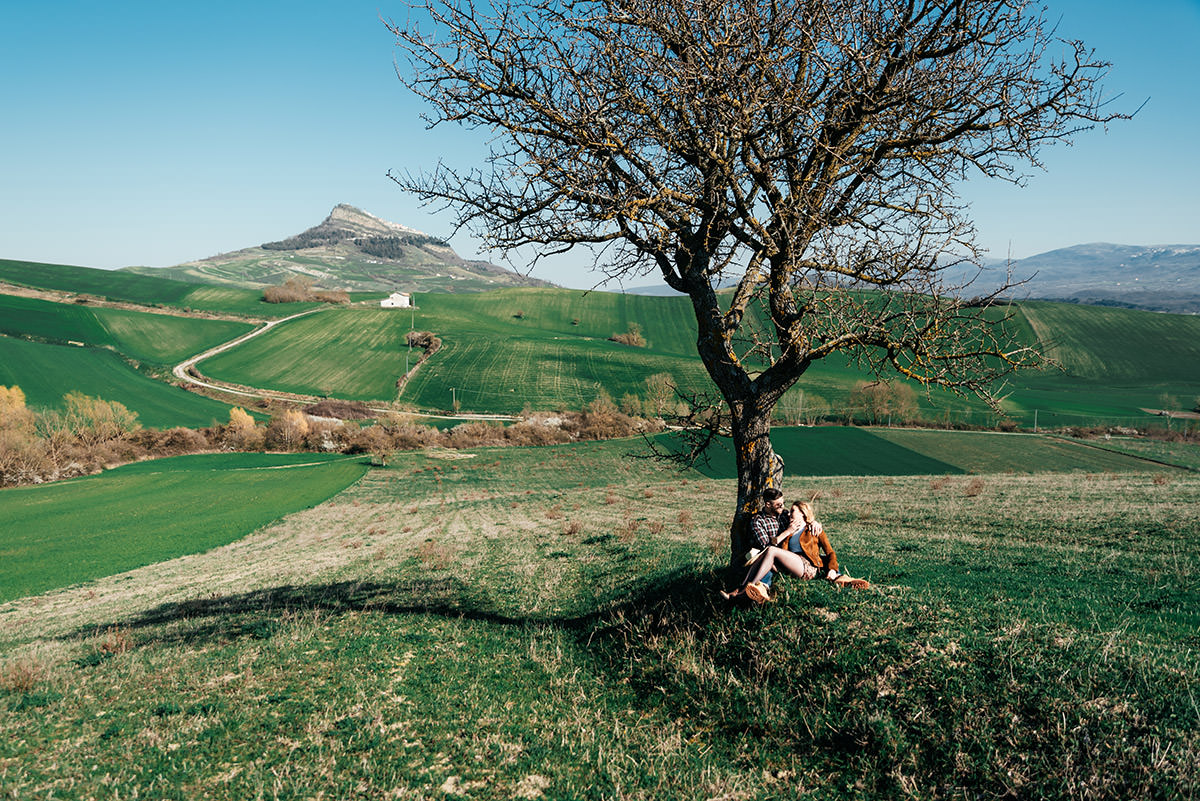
806,152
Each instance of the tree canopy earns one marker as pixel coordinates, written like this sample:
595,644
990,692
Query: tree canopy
808,153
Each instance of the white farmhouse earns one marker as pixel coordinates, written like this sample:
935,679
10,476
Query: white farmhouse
397,300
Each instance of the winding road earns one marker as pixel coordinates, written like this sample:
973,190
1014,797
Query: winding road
182,371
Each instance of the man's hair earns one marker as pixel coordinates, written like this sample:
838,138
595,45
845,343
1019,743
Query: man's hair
771,493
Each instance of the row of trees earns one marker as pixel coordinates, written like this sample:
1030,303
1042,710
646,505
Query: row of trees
89,434
299,289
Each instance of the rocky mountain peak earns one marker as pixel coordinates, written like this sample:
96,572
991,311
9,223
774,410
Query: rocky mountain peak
360,223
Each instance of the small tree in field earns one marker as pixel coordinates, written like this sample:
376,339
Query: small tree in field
806,152
242,433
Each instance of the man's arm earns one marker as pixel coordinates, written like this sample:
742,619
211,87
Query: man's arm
793,526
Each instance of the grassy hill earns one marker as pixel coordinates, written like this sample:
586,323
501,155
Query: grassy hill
550,348
155,338
46,372
519,623
500,350
36,356
73,531
144,290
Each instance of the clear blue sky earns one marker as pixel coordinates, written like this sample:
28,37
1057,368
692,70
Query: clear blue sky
153,133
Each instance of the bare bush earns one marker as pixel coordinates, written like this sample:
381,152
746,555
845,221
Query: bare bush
476,434
242,433
287,430
633,337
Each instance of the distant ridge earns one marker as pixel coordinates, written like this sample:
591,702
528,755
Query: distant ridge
351,250
1163,278
1155,278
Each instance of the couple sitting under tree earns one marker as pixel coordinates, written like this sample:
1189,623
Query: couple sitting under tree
806,555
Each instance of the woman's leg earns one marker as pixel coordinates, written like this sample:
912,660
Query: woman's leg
793,563
763,565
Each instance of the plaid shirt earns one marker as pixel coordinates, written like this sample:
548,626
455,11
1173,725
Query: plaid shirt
765,527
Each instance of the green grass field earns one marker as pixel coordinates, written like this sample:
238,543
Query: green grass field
73,531
1183,454
846,451
549,349
494,360
146,290
516,623
156,338
46,372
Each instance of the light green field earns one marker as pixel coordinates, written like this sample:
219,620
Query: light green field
1114,362
156,338
1182,454
73,531
46,372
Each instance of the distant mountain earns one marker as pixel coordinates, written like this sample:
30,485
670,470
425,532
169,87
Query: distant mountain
1158,278
350,250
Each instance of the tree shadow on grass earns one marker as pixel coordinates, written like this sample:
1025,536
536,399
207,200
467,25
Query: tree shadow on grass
257,613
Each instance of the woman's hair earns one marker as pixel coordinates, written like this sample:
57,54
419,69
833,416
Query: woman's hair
806,510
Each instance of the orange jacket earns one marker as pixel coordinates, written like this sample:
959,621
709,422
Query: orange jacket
812,542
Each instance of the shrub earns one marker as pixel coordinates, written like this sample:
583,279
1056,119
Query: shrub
287,430
94,420
476,434
531,432
242,434
633,337
180,440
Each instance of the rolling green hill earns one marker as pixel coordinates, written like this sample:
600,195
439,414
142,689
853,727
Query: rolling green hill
157,338
549,348
46,372
72,531
141,289
501,350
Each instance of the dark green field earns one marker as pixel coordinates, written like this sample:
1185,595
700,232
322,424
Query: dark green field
155,338
46,372
86,528
844,451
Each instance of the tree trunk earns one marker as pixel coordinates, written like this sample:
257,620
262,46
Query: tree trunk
758,468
